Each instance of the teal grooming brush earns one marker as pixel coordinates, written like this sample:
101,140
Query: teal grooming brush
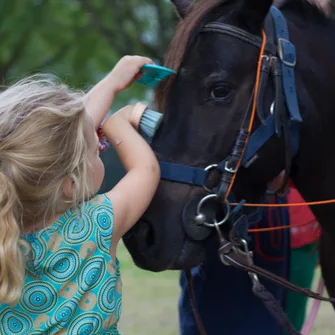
153,74
149,124
146,120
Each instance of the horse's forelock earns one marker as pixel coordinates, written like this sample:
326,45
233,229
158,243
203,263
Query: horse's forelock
187,29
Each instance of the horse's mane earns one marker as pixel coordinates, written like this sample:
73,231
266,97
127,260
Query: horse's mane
198,14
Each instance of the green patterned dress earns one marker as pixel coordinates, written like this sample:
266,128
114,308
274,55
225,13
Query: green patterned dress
72,284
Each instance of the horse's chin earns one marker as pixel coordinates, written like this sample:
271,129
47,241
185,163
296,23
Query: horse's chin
173,256
192,254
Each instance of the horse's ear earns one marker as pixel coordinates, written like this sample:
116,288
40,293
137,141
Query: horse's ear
181,6
254,12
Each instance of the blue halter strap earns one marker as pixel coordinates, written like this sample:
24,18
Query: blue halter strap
286,53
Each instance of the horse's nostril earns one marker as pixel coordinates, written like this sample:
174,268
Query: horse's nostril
148,234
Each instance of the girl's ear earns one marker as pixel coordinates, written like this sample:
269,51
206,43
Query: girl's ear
68,187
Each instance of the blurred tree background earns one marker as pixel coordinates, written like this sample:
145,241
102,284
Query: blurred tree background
80,41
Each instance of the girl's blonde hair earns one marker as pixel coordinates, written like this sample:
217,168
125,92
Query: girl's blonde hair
44,141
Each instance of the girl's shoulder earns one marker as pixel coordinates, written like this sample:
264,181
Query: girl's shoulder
100,200
99,212
93,220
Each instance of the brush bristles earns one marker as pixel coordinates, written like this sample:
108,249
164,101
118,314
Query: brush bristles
149,124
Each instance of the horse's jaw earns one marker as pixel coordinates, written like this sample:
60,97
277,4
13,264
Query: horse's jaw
158,241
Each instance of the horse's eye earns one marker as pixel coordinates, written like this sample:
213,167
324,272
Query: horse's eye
220,92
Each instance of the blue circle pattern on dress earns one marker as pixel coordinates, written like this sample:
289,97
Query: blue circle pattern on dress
86,324
39,297
91,274
64,313
78,229
14,322
39,250
63,265
103,216
49,303
103,242
106,299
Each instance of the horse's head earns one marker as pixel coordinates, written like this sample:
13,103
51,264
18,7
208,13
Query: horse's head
204,106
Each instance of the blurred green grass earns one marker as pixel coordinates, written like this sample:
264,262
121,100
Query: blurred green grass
150,302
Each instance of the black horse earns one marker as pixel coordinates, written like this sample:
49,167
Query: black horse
204,106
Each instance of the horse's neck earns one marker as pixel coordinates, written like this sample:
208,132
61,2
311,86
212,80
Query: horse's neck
314,167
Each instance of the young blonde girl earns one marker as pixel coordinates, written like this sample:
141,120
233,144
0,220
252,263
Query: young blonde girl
58,268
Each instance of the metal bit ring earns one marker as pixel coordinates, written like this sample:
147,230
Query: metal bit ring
214,224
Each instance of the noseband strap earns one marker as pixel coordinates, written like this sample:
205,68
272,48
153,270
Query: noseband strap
198,176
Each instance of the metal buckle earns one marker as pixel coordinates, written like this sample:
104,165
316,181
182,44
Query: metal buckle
267,58
208,169
253,276
203,217
281,54
228,169
272,108
225,246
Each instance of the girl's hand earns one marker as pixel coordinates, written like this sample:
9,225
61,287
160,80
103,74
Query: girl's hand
126,71
100,98
133,114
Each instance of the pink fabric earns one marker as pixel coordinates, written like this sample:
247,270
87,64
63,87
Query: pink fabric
308,325
310,230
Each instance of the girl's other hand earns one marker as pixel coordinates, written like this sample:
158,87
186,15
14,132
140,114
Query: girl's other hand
126,71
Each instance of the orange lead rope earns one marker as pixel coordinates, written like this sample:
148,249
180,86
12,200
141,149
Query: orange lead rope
253,111
297,204
252,118
261,230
